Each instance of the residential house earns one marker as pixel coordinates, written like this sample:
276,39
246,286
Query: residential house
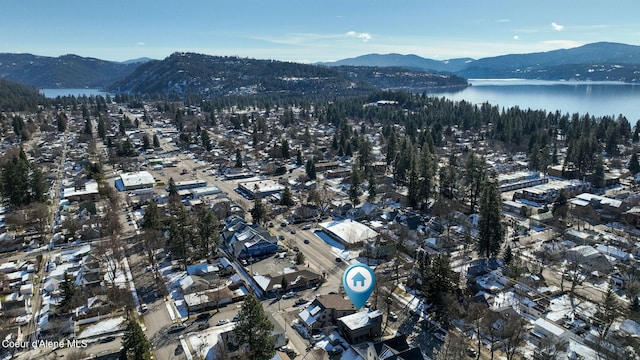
248,241
395,348
293,278
324,311
547,331
214,298
361,326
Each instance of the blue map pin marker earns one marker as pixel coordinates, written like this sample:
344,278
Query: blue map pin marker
358,282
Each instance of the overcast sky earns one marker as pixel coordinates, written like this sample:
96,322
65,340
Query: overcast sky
311,31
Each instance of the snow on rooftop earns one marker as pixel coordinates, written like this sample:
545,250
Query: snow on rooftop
349,231
360,319
204,342
103,327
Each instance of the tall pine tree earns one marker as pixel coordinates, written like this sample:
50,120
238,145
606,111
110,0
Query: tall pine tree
253,330
490,227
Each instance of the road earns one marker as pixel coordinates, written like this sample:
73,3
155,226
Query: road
317,253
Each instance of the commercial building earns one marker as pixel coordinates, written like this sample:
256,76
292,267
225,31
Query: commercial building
348,231
190,184
260,188
134,180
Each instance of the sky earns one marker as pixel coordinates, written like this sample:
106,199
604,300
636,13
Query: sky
311,31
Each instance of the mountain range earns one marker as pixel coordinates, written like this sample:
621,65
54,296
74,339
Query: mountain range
602,61
183,74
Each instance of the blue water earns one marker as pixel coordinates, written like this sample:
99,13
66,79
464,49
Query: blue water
596,98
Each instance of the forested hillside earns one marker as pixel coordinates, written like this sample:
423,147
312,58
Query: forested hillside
68,71
18,97
189,74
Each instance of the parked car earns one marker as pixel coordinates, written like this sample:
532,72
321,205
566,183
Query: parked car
338,259
143,308
301,301
177,327
306,241
222,322
293,231
107,339
335,351
289,351
203,326
289,295
203,316
393,316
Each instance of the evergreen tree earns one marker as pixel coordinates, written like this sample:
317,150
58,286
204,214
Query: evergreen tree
180,235
508,255
608,310
258,212
473,179
287,198
448,178
299,161
310,168
102,129
146,144
238,158
173,190
284,148
598,172
152,218
38,184
490,227
61,121
560,205
253,330
67,291
135,345
437,278
207,232
372,187
206,140
634,164
354,189
88,129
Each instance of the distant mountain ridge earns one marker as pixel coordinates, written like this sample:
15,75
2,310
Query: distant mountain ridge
596,61
67,71
190,74
205,75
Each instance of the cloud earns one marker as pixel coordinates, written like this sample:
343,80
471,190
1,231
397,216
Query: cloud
362,36
516,37
557,27
140,43
503,20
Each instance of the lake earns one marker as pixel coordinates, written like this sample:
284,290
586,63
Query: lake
54,93
596,98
